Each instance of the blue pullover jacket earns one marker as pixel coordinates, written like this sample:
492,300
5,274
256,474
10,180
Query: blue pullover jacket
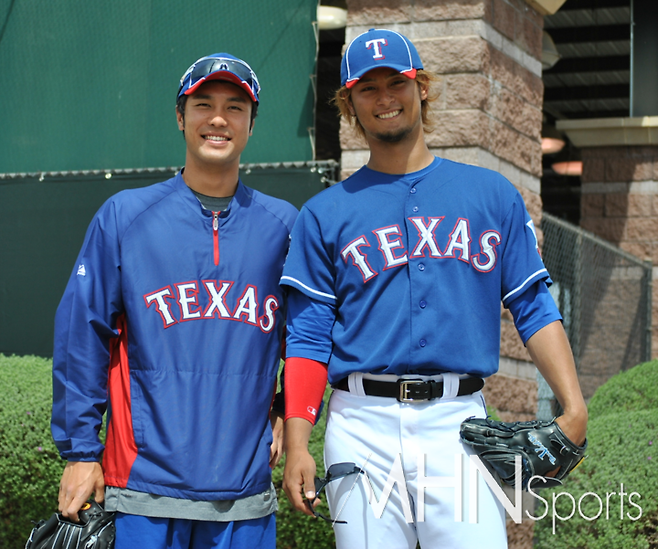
172,322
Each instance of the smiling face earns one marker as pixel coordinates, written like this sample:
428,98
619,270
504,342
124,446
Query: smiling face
387,105
217,125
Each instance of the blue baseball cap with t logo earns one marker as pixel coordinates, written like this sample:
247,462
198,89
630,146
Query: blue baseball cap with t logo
378,48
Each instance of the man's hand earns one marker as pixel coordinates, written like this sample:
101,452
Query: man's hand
79,480
575,427
276,448
299,473
299,480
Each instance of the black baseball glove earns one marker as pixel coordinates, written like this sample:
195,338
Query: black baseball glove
94,531
542,445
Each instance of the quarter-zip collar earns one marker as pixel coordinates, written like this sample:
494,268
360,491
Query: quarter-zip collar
241,199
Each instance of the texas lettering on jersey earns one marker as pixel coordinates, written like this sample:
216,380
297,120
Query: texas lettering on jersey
208,299
458,245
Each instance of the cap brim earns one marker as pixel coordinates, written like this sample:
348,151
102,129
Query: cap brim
226,76
409,73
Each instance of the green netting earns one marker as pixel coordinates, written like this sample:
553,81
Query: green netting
92,85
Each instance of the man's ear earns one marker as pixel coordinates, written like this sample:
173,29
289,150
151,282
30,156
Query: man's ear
423,91
180,119
251,129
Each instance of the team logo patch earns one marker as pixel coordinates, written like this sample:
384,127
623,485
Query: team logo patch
81,270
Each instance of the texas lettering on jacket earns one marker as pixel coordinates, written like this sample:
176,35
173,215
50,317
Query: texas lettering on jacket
185,297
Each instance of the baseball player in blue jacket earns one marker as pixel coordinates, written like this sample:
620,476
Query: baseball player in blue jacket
395,279
172,322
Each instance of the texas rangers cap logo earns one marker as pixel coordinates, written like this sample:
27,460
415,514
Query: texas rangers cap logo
377,44
378,48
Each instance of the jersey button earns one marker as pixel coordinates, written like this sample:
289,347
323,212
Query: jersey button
422,343
413,190
423,304
415,209
421,266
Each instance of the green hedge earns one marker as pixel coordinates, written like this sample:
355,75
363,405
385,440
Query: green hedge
623,444
635,389
623,437
30,467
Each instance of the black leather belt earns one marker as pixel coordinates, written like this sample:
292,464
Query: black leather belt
412,390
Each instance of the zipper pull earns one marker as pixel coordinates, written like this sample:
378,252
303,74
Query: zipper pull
215,236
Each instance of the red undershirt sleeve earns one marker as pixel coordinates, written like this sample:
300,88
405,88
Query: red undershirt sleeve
305,381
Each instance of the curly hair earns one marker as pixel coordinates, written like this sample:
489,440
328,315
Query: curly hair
343,100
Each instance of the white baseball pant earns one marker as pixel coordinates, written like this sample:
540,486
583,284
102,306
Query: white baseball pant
413,447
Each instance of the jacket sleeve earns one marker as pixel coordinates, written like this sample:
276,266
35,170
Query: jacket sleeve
85,323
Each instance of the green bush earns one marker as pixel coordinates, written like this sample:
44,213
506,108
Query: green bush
634,389
30,466
623,439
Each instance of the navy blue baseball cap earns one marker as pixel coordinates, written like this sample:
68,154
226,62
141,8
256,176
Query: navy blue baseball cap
378,48
220,66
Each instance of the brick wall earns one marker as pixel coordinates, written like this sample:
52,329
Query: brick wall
486,53
620,204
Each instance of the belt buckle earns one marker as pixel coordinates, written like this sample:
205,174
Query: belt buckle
403,388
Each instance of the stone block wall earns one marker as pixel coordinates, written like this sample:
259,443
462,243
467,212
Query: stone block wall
620,204
486,54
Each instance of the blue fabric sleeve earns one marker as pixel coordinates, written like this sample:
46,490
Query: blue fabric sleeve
309,267
522,264
533,309
309,327
84,325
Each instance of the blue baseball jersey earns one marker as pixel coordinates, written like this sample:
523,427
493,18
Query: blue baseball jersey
173,319
415,267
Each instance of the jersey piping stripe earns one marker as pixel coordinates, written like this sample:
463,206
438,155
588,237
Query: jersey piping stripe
306,287
518,289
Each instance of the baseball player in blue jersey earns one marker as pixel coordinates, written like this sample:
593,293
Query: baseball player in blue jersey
172,321
395,279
